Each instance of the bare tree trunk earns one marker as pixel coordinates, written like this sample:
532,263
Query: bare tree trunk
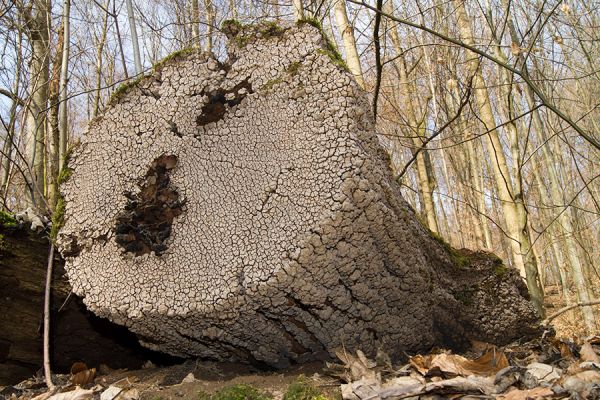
47,370
9,142
63,137
347,32
100,62
298,9
234,11
195,24
119,40
512,206
424,172
53,137
134,38
556,194
37,105
210,24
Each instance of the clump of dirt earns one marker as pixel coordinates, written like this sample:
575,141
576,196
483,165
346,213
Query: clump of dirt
145,223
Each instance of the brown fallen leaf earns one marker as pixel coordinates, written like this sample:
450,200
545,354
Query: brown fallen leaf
77,394
452,364
78,367
535,393
84,377
582,381
587,353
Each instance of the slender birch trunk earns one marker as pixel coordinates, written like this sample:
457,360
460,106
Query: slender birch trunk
10,142
119,40
417,125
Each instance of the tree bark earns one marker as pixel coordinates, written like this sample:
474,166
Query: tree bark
511,201
347,32
38,30
134,38
63,133
213,232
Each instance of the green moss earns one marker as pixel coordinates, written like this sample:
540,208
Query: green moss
123,89
58,217
294,68
500,270
310,21
330,49
335,57
7,220
270,29
466,295
270,84
240,392
302,390
458,258
231,27
242,35
173,56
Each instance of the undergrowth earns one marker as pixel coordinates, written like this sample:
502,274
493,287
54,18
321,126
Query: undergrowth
235,392
330,49
58,215
7,220
302,390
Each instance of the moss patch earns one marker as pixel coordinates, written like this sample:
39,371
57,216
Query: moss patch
241,35
176,55
330,49
466,295
123,89
58,215
458,258
302,390
7,220
236,392
500,270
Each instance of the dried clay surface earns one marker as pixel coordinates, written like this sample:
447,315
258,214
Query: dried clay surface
280,234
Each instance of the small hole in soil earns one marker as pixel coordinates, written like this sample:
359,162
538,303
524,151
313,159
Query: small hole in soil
145,223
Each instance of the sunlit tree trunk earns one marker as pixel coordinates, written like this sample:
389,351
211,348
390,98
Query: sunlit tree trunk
134,38
417,128
100,63
53,123
63,134
37,105
347,33
298,9
210,24
195,24
10,140
511,201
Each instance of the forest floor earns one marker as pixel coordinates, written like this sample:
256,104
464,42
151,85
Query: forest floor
560,365
544,368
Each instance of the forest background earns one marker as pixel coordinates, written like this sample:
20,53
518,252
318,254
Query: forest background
488,110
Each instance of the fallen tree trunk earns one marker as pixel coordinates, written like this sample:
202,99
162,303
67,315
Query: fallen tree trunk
246,211
76,334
